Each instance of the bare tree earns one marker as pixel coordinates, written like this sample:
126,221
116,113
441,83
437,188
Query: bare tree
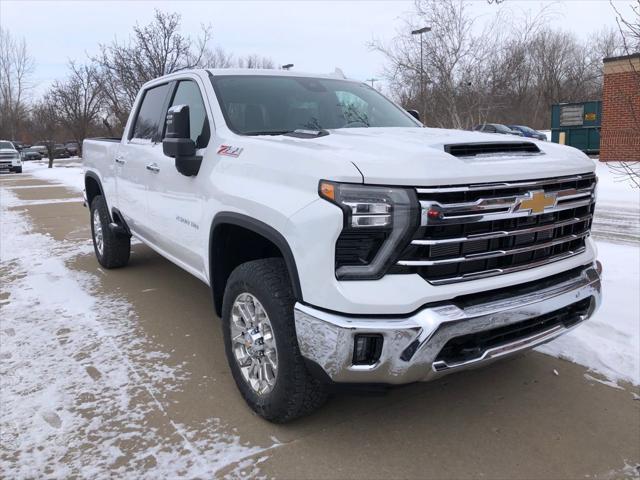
154,50
16,69
488,72
454,51
629,27
45,125
216,58
255,61
78,101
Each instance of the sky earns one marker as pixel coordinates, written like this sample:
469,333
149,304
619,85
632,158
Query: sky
316,36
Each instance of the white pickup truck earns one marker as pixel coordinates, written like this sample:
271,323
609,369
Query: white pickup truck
344,243
9,157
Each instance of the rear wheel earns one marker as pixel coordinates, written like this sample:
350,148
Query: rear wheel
261,343
112,249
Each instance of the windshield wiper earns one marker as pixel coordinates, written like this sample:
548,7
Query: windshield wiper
267,132
298,133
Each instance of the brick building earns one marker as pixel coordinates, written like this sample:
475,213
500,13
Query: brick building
620,133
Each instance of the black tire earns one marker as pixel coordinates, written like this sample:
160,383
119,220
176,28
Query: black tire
295,393
17,170
115,248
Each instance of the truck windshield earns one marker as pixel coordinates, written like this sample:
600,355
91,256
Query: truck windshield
4,145
273,105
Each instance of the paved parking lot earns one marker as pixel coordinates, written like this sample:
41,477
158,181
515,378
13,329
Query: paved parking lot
148,391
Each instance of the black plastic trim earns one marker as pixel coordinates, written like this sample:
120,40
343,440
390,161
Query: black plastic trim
268,232
95,177
119,219
161,119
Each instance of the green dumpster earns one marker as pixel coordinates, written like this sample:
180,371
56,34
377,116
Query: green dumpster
580,123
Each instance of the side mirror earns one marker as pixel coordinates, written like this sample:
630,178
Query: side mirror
415,114
177,142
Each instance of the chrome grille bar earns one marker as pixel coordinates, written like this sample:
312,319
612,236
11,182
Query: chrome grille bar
533,185
497,215
496,203
499,271
492,254
501,234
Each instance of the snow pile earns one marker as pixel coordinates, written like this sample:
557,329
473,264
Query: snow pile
80,383
615,191
609,343
68,172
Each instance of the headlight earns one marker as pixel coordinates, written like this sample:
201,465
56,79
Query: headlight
379,222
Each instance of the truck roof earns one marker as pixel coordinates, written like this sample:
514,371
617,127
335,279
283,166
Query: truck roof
258,71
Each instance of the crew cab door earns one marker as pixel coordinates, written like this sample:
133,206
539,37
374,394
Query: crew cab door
176,202
138,150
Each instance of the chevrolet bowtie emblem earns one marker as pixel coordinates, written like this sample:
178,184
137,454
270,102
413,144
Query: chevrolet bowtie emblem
535,202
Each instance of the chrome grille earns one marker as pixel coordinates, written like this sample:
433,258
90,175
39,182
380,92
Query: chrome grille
476,231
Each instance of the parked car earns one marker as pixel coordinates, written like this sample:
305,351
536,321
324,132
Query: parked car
41,148
343,242
18,145
72,148
9,157
59,151
497,128
528,132
30,154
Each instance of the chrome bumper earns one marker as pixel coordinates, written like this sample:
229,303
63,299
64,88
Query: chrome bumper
411,344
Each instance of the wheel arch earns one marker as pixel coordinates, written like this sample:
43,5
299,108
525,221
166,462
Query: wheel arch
92,186
247,233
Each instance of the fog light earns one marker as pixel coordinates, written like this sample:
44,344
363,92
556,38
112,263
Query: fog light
367,349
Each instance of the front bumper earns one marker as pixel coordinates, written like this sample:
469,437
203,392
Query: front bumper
412,344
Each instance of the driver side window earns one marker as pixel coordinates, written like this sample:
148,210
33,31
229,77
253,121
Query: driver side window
188,93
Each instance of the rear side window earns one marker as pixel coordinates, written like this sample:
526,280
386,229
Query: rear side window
188,93
150,113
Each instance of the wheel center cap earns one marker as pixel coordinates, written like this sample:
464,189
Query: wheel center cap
253,342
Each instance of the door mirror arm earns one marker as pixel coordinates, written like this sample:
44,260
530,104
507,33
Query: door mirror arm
177,142
415,114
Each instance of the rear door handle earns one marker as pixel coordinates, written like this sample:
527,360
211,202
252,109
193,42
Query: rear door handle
153,167
120,160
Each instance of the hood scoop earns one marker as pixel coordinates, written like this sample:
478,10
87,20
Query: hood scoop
492,149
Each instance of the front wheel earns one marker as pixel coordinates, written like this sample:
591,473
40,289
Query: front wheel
261,343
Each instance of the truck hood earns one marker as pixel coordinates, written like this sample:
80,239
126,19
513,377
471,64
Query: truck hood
416,156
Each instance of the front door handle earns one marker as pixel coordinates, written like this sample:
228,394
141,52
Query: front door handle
153,167
120,160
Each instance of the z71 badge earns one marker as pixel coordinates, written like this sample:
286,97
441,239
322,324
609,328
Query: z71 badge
229,151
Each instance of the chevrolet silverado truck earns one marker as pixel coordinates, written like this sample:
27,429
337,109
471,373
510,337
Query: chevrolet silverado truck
343,242
9,157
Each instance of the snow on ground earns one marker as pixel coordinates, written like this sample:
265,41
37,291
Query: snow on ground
609,343
79,380
615,190
67,171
